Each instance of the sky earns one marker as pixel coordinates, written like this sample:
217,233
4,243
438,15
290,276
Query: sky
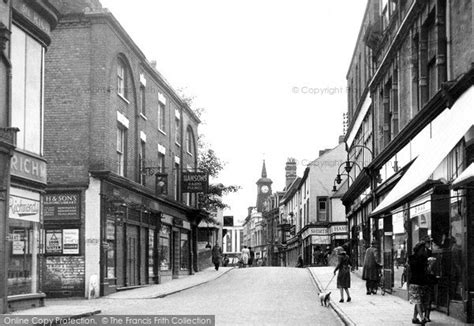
270,75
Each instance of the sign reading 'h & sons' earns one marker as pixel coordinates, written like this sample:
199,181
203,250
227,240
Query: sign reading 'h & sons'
61,206
195,182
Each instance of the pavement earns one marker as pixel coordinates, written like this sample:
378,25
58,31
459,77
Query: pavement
74,308
371,309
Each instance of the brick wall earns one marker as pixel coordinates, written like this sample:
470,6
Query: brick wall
63,276
82,103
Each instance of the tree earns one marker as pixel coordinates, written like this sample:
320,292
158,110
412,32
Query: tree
213,165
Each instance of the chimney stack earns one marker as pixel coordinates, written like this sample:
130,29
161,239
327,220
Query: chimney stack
153,63
341,139
290,171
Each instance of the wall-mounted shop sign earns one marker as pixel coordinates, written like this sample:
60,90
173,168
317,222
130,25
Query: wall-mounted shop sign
28,167
420,207
320,239
314,231
195,182
62,206
338,228
24,209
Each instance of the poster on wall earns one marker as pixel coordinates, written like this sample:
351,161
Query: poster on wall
71,242
54,242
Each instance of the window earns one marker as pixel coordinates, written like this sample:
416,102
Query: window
161,116
143,100
176,181
27,57
164,248
178,131
161,162
122,82
121,140
141,163
184,251
322,209
190,141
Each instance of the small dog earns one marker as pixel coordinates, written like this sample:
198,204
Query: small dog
325,297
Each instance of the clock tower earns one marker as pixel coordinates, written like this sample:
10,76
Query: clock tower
264,188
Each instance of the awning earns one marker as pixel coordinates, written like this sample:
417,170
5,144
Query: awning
467,176
455,123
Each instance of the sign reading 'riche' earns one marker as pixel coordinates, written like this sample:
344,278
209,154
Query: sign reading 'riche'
28,167
61,206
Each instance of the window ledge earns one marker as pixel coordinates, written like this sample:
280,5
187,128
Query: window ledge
177,144
123,98
189,153
143,116
164,133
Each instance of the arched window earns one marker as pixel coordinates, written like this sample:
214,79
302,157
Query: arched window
190,144
122,79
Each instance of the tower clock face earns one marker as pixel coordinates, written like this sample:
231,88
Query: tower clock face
265,189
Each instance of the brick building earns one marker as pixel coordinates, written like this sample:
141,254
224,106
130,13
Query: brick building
410,130
25,34
118,139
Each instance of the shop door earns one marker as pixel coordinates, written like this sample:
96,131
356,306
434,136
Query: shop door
176,254
132,256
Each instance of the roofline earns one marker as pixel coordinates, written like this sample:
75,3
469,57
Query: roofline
155,74
358,37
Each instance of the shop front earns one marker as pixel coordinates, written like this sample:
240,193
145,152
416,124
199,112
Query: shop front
24,231
316,241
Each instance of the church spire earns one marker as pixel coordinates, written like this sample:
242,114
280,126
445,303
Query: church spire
264,170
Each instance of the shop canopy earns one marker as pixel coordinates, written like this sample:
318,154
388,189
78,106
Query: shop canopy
466,177
454,124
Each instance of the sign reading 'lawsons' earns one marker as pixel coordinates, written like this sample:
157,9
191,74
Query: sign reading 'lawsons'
61,206
195,182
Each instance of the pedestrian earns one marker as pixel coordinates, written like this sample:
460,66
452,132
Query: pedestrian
431,281
344,275
245,256
216,256
370,271
300,262
417,264
251,257
225,261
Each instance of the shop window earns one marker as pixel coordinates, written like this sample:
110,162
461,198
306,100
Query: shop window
164,248
27,56
110,239
151,253
184,252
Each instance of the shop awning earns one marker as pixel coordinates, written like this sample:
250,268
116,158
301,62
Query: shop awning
467,176
455,124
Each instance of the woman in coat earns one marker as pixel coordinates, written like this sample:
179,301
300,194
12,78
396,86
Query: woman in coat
344,275
216,256
370,272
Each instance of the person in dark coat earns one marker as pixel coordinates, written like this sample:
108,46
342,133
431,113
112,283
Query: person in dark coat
216,256
417,275
344,275
252,256
370,272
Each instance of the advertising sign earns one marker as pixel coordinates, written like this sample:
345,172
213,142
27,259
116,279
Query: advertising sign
54,241
71,242
195,182
61,206
24,209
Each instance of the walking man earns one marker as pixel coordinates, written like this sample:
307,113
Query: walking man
216,256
